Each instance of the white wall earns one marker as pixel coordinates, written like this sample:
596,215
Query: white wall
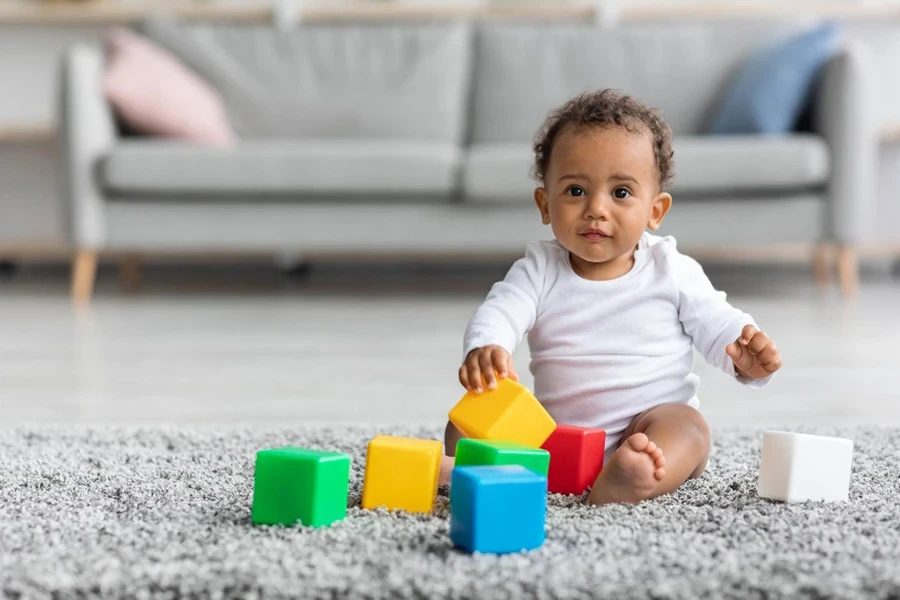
30,204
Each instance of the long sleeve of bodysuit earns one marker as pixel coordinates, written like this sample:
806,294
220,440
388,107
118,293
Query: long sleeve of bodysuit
511,307
707,316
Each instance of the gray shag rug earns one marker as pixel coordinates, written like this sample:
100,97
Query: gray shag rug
147,513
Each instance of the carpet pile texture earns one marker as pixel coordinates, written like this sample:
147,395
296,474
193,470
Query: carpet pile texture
165,513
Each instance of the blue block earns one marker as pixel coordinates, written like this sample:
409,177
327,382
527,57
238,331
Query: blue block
497,509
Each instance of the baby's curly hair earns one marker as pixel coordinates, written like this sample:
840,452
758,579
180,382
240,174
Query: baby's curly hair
606,108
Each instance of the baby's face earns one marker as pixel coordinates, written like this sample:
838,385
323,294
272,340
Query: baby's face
601,191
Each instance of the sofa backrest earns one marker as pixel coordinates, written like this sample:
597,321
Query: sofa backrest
394,82
522,72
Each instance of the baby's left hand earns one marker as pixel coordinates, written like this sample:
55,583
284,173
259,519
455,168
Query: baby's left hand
754,354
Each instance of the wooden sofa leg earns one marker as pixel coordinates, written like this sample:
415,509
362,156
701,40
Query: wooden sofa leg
824,264
130,273
848,270
84,274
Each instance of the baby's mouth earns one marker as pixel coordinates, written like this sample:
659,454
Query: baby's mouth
594,235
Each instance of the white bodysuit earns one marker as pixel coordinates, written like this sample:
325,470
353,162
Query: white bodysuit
602,352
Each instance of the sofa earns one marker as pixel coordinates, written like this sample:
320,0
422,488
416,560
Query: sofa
414,140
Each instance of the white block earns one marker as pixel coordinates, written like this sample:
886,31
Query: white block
797,467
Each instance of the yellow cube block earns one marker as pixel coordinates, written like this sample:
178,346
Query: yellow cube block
401,473
510,413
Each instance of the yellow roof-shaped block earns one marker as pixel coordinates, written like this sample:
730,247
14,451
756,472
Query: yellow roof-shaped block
401,473
509,413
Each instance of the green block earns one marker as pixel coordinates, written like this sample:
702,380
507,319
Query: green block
491,452
296,484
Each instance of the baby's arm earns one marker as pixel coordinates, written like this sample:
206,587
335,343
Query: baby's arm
498,325
724,335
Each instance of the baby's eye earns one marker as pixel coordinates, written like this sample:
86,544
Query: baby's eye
576,191
621,193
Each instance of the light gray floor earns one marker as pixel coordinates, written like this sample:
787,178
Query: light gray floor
384,348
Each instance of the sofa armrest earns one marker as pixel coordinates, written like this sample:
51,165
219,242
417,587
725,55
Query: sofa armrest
845,114
87,131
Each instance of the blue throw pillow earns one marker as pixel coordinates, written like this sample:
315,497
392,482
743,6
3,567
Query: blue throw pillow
769,93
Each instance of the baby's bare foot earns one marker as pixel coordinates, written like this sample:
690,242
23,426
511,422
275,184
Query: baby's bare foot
631,474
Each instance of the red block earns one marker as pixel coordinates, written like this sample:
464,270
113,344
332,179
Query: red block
576,458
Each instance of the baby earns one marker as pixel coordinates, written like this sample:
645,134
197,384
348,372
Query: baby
612,312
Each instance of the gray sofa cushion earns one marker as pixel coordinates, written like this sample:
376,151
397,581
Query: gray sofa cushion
282,167
703,165
498,173
713,164
405,82
523,72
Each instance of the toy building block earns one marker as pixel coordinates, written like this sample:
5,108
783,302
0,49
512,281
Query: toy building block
497,509
576,458
401,473
297,484
797,467
471,452
510,413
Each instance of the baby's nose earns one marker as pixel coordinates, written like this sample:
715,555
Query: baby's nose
597,208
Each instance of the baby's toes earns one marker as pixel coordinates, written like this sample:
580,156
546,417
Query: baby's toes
638,442
651,447
659,473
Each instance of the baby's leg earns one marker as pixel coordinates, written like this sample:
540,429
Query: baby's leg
451,436
661,449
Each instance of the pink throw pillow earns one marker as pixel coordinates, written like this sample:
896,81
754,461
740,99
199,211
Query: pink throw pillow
156,94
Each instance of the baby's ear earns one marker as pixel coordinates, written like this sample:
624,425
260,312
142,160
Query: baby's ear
543,203
661,205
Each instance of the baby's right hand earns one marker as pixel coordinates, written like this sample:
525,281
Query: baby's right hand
480,365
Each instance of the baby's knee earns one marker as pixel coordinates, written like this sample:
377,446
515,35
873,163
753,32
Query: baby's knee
451,436
684,419
700,423
702,437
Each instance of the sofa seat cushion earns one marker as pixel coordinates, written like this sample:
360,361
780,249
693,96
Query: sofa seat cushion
752,163
282,168
703,165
